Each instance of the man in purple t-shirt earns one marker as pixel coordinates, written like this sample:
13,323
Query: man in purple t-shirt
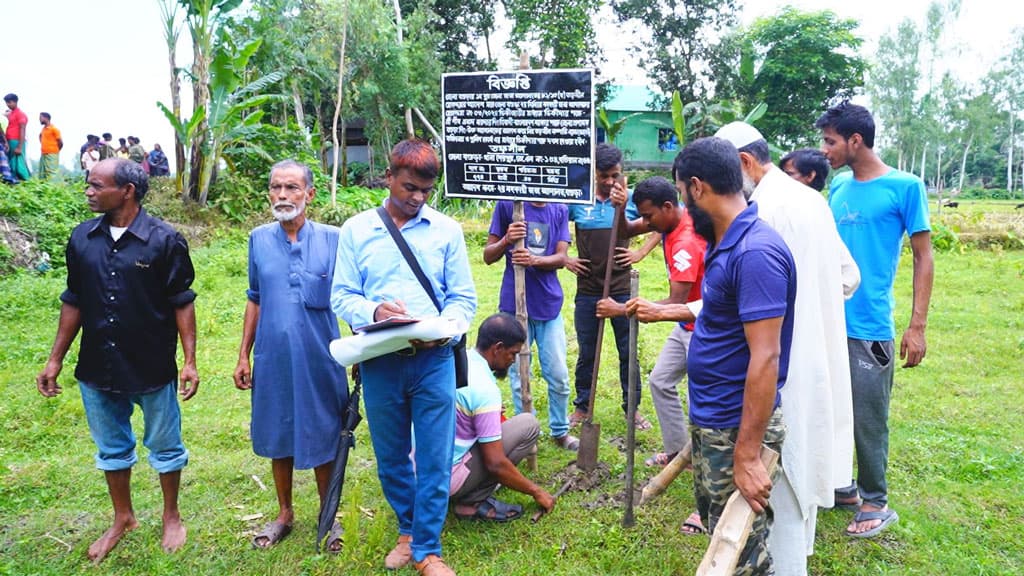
546,234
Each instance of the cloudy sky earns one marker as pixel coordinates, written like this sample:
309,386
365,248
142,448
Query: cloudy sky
101,65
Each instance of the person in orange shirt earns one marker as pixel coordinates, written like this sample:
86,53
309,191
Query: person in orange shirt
51,143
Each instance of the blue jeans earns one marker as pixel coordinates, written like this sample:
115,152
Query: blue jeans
407,396
586,336
110,424
549,336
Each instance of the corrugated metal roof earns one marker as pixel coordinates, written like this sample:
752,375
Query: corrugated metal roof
631,98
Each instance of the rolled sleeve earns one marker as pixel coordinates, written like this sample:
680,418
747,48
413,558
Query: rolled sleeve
180,274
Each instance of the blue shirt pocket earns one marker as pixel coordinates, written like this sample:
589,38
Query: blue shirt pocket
316,290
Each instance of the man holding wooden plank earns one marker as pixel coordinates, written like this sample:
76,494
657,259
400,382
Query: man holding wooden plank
739,354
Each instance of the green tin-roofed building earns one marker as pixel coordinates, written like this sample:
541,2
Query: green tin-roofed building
646,140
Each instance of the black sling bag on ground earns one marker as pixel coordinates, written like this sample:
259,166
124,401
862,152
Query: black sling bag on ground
458,349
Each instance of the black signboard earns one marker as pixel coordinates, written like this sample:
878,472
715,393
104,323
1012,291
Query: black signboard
521,135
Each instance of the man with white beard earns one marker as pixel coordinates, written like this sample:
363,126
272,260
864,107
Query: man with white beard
817,402
298,391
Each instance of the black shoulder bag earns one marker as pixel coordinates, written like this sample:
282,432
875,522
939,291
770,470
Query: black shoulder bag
459,349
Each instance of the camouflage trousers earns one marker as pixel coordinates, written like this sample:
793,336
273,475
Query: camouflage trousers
713,484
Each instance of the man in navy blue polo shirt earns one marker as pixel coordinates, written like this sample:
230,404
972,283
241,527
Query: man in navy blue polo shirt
739,353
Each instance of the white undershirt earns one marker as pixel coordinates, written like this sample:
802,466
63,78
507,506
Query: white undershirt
117,231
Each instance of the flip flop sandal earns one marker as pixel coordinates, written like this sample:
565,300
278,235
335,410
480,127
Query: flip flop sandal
642,423
693,526
274,532
494,510
336,535
567,442
577,418
659,460
887,517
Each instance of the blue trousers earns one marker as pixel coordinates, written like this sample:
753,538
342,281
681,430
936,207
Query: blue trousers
409,397
549,335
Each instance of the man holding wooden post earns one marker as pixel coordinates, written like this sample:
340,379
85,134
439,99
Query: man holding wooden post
739,354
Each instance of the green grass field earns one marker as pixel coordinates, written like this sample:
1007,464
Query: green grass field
957,449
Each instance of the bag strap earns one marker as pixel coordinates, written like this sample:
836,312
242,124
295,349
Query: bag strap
410,259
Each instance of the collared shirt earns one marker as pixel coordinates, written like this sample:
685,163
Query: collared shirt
748,276
127,292
49,139
593,233
684,258
477,415
370,269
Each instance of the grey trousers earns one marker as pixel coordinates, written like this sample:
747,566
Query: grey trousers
871,374
664,381
518,435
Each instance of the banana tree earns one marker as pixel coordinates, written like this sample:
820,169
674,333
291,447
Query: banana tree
612,129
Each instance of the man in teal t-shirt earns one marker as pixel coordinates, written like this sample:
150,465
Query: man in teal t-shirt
873,206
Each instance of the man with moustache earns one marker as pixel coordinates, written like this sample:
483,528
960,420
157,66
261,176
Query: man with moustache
818,454
298,391
487,450
739,353
409,393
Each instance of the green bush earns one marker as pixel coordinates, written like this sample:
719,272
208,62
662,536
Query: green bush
48,210
351,201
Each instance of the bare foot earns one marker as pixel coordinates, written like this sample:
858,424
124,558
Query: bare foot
102,546
174,533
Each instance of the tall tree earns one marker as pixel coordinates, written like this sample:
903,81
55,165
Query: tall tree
893,83
802,61
562,29
679,51
172,31
461,25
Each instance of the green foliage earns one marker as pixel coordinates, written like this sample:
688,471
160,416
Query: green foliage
351,201
48,210
562,29
612,129
460,24
944,238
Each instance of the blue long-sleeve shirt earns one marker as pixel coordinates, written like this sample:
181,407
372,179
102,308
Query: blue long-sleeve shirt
370,268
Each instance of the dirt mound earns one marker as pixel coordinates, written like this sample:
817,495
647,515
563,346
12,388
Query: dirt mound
20,245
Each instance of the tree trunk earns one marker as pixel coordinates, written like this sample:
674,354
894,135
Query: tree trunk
337,108
1009,157
409,132
963,163
300,113
201,99
924,162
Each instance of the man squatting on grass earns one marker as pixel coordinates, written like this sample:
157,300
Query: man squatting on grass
487,450
129,291
873,207
739,353
299,392
412,391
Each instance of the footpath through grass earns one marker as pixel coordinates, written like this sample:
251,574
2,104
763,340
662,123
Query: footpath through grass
956,468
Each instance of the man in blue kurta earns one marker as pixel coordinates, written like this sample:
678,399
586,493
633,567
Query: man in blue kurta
410,392
545,232
298,391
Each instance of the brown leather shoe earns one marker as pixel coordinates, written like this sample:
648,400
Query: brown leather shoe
401,554
433,565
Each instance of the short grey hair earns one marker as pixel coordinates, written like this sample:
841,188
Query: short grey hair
306,172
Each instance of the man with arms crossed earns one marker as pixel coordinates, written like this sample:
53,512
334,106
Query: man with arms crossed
129,291
873,206
739,353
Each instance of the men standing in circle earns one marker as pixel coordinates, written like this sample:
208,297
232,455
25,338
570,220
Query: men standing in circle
129,291
739,354
298,391
17,131
818,453
546,235
807,166
657,202
873,207
51,144
593,235
487,450
410,392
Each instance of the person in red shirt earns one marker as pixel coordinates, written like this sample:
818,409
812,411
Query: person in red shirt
51,143
16,131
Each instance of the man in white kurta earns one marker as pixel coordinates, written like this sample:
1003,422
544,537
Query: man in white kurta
817,456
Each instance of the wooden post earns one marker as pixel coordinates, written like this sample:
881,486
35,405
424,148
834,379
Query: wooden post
733,528
634,378
526,397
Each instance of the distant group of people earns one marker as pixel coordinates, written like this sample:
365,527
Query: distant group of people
14,164
782,303
154,162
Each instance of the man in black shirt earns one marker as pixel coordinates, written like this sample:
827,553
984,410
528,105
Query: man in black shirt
129,291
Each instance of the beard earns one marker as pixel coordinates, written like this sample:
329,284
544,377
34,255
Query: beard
703,225
500,374
748,186
286,211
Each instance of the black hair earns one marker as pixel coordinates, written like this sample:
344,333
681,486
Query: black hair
306,172
92,138
712,160
848,119
807,160
11,97
607,156
47,114
129,172
500,327
107,136
759,150
656,190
